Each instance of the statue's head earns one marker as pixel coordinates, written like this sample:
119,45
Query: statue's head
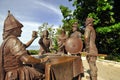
45,33
89,21
75,26
12,25
63,31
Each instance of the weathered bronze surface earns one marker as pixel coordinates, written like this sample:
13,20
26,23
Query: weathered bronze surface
13,53
61,42
75,31
64,68
45,43
90,47
74,45
11,22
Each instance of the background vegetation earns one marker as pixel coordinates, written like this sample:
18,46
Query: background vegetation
106,14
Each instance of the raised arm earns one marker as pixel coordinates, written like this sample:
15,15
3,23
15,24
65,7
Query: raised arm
34,36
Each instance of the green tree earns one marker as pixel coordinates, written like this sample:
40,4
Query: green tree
116,9
108,41
106,17
68,18
100,10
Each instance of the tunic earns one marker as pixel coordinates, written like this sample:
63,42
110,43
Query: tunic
44,45
90,37
90,41
61,43
13,66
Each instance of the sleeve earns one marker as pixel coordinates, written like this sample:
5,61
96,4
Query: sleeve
17,47
87,38
87,33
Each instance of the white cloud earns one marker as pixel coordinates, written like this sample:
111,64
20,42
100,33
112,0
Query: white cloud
31,25
48,6
31,13
27,31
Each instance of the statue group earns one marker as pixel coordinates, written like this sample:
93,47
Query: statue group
14,56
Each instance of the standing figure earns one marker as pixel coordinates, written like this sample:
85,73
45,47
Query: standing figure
74,46
13,53
61,42
76,33
45,43
90,47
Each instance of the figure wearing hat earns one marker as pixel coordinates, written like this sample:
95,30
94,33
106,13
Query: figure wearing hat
90,47
13,53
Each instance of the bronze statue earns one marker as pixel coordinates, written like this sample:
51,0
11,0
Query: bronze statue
90,47
34,36
75,31
45,43
61,42
13,53
74,43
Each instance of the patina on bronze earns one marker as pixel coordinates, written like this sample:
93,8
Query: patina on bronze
64,68
45,43
90,47
75,31
61,42
11,23
74,45
13,53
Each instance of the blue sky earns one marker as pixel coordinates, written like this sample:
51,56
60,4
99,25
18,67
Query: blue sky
32,13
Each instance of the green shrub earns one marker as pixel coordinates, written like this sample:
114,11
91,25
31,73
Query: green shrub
114,57
33,52
108,41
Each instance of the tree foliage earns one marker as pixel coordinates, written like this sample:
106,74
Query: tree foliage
106,14
116,9
108,39
52,34
46,26
100,10
68,18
